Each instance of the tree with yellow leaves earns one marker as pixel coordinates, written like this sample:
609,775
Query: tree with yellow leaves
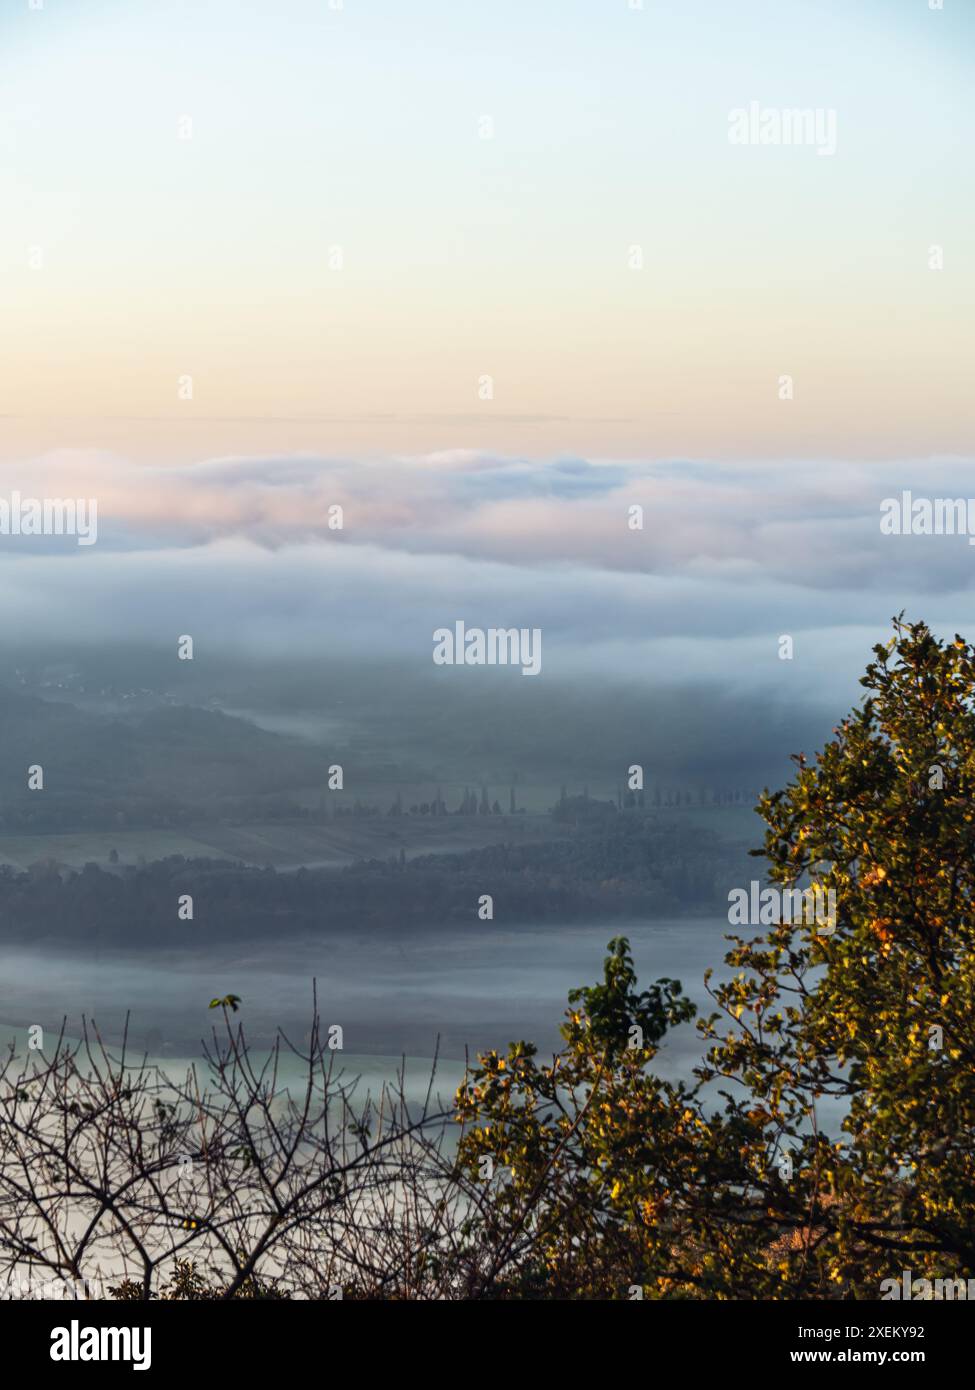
603,1180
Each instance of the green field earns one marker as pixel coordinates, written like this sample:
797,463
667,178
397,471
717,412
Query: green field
280,845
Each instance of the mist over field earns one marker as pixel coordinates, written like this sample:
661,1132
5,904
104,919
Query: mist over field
210,776
661,649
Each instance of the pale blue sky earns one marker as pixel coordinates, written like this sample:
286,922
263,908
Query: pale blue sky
314,127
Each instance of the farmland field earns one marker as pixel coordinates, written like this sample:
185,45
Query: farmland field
279,844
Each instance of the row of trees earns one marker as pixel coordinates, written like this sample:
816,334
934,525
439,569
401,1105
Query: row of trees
602,865
567,806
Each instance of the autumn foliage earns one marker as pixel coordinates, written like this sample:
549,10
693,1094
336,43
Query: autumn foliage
733,1186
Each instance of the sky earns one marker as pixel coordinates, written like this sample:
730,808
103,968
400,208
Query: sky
356,131
486,275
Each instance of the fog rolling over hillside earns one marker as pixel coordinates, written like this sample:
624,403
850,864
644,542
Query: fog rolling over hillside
153,795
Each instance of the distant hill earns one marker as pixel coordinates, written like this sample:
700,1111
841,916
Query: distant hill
164,768
633,864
